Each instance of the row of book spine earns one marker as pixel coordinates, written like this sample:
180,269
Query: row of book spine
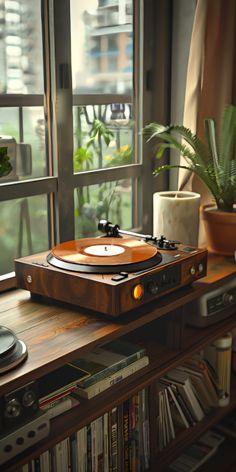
188,393
118,441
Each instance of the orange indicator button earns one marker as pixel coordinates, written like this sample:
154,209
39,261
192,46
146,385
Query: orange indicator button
138,292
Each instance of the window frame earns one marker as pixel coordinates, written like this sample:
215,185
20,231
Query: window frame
58,99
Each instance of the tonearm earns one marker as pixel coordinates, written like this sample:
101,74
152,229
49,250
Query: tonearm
114,231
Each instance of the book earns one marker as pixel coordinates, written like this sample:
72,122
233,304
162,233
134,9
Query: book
145,428
89,448
73,452
45,462
56,408
103,361
200,365
56,397
106,442
177,413
81,453
184,385
166,424
113,439
169,416
58,383
126,428
198,381
116,377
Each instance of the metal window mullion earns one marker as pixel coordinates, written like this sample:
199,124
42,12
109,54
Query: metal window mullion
48,63
28,188
21,125
101,99
137,108
63,120
107,175
21,100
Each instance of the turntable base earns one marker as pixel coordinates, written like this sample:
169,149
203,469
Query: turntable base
131,275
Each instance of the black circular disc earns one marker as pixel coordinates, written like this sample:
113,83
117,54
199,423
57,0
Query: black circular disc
7,340
14,357
105,269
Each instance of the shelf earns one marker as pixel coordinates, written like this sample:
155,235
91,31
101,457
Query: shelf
161,360
223,460
188,436
57,333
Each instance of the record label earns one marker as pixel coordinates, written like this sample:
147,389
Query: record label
104,250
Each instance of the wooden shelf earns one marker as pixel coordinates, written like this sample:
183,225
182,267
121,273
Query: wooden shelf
187,436
223,460
57,333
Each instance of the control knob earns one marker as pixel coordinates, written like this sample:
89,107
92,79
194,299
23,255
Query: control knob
152,287
13,408
228,298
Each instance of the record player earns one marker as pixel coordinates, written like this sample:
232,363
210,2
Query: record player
112,274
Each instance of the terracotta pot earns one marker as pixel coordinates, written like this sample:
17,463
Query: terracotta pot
220,229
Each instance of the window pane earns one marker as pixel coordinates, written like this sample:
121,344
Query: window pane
24,229
102,46
109,200
21,64
103,136
28,155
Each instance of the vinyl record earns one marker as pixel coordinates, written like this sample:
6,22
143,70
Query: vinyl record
7,340
104,255
14,357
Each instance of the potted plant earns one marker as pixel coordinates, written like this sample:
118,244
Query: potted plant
214,162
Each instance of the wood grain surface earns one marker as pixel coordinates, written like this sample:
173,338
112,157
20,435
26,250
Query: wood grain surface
57,333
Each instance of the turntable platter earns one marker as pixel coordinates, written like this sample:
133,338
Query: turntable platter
104,255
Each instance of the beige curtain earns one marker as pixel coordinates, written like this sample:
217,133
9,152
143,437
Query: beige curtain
211,75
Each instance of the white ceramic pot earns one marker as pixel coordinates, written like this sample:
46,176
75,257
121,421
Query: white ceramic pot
176,216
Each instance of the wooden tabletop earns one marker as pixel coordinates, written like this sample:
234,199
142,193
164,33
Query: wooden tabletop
57,333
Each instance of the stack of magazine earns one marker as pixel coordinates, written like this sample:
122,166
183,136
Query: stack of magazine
55,389
185,395
89,375
107,365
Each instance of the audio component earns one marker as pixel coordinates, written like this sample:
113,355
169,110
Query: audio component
113,274
22,438
18,406
210,307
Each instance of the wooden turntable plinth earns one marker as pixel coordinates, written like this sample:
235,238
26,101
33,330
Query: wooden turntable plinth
121,285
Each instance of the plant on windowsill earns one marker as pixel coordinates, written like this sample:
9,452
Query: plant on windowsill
214,162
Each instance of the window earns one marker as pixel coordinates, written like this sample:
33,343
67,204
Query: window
71,114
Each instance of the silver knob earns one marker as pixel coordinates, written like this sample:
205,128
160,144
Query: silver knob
228,298
192,270
200,268
13,408
29,279
28,398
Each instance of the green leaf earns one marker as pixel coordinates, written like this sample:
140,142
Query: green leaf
214,164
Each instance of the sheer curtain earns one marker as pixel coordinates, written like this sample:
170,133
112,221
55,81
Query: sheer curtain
211,75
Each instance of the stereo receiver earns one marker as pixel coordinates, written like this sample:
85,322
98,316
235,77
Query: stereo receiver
211,307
